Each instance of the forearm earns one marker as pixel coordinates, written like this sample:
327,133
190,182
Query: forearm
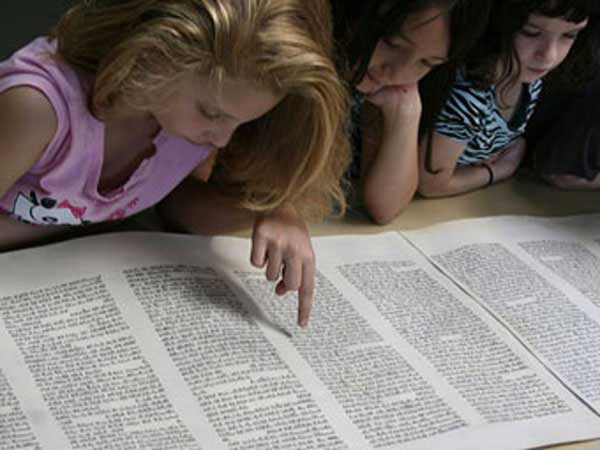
197,207
463,179
390,182
572,182
14,234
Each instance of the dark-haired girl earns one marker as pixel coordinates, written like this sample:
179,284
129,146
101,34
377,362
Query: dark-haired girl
478,137
388,49
564,132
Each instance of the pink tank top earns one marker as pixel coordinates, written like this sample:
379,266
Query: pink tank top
62,187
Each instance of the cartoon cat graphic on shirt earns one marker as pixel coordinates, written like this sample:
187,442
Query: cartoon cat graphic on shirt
46,211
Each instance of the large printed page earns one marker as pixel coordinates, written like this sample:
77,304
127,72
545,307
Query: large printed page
139,341
125,342
411,361
152,341
540,277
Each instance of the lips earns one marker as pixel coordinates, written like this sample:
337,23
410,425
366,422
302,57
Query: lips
369,84
538,71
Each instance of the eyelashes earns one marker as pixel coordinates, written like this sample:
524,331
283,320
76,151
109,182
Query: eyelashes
208,115
534,34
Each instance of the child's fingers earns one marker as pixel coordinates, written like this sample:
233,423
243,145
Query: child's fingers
495,157
280,289
274,262
292,274
258,254
378,98
397,101
301,278
306,293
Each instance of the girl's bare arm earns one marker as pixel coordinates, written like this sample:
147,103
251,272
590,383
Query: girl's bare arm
27,125
389,163
446,178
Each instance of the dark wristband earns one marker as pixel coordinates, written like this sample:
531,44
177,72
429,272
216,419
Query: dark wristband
490,172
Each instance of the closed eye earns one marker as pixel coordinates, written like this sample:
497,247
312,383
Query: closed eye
209,115
433,64
392,44
529,33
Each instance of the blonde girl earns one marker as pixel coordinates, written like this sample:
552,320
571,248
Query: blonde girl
128,101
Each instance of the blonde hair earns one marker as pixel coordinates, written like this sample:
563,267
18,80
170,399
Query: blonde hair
296,153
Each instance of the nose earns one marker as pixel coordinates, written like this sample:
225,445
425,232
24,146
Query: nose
547,52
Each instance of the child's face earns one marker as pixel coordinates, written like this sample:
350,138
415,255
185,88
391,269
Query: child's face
407,57
543,43
204,113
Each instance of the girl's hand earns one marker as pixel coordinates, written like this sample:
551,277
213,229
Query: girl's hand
507,162
398,103
573,182
280,241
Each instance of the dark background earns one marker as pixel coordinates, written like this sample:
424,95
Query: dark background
21,21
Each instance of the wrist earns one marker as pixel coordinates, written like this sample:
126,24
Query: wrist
492,178
285,209
401,124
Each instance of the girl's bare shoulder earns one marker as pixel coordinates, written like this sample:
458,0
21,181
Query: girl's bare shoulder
27,125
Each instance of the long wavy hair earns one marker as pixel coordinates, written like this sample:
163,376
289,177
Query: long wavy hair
360,24
297,152
496,48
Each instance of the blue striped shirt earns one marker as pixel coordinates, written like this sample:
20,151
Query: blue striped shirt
472,116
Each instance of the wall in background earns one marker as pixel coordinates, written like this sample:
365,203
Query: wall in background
22,20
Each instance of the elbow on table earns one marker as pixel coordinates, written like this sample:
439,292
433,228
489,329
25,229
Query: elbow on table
383,213
385,202
381,217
